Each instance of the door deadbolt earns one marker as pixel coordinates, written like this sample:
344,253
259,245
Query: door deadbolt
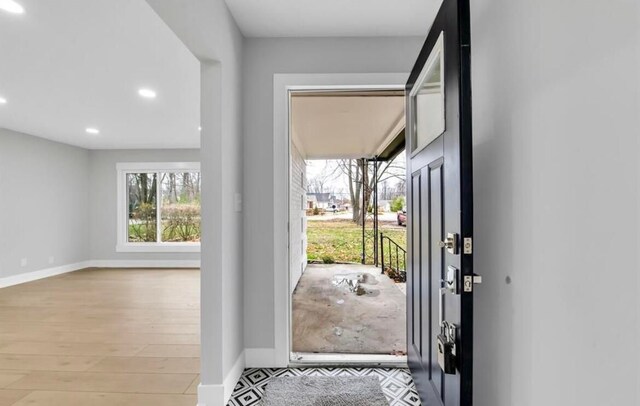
450,243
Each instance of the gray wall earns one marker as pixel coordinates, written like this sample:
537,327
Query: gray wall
555,87
210,32
44,203
60,201
556,192
262,59
103,203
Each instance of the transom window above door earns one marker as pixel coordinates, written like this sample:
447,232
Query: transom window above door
159,207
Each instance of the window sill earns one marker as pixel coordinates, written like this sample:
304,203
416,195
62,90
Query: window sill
158,247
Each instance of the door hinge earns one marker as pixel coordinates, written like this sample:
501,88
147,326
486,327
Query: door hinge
467,246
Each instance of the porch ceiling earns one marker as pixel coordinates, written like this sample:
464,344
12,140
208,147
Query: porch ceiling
346,125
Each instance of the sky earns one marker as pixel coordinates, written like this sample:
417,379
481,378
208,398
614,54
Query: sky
315,168
338,182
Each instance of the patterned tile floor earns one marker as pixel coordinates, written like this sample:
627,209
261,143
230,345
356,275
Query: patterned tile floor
397,384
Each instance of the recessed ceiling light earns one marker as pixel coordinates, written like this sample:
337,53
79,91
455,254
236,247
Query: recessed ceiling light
147,93
11,7
91,130
3,100
199,128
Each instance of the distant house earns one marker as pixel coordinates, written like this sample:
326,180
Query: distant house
384,205
311,201
320,200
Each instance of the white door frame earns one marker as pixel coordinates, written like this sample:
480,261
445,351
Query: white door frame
283,85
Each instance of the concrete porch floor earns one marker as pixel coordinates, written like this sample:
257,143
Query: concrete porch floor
331,319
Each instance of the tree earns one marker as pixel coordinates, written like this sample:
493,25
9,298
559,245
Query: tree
188,187
145,185
397,204
320,182
142,206
173,190
401,187
361,181
383,191
316,185
352,169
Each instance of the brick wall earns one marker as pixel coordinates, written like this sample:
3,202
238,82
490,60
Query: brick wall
297,216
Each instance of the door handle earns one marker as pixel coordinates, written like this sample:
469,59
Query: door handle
450,243
445,244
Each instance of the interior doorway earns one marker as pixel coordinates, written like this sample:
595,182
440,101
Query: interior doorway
346,220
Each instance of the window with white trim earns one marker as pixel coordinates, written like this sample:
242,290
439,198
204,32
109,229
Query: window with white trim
159,207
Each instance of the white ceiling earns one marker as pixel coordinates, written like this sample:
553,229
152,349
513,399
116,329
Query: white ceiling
335,126
71,64
334,18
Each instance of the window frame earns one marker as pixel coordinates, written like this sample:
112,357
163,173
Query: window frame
122,170
437,51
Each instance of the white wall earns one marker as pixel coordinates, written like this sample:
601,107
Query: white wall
297,216
556,107
103,203
43,204
210,32
262,59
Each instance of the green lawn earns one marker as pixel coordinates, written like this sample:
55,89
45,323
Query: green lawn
341,240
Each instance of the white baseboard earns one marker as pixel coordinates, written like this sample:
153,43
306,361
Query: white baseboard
233,376
261,357
145,263
41,274
211,395
219,395
59,270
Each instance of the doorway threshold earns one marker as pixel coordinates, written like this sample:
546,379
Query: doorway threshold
303,359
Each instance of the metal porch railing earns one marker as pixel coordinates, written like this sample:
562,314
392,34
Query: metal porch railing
392,253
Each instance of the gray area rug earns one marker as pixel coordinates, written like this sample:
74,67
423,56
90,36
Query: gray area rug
324,391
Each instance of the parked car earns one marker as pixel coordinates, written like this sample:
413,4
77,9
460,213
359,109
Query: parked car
402,217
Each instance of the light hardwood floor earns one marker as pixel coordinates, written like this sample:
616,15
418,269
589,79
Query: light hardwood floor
101,337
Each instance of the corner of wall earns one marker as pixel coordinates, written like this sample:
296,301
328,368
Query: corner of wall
210,395
219,394
41,274
261,357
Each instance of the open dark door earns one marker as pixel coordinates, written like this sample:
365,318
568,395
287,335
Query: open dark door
440,278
